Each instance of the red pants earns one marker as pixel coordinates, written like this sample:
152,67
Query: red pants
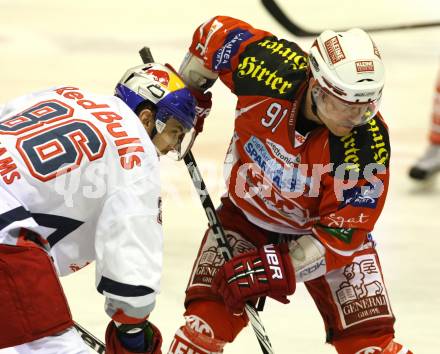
352,300
32,302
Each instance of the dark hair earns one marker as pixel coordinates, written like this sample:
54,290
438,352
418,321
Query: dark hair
145,105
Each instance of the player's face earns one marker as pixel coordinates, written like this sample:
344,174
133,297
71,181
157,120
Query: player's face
341,117
335,123
170,138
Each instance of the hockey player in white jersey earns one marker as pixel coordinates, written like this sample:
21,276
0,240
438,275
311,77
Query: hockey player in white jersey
79,182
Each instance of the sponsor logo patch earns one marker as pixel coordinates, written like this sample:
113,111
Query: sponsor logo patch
359,291
199,325
300,139
253,68
284,177
159,75
292,56
280,152
311,271
222,57
364,66
271,67
211,258
366,144
345,235
363,196
334,50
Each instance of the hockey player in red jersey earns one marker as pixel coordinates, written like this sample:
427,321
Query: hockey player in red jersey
80,182
429,163
307,177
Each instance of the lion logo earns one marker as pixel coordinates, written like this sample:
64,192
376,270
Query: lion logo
355,287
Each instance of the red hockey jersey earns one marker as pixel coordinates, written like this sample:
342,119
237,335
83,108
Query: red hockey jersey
286,173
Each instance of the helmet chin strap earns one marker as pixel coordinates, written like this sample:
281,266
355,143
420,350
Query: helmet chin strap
159,126
153,133
315,108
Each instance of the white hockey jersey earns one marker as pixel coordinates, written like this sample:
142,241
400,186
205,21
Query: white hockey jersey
80,170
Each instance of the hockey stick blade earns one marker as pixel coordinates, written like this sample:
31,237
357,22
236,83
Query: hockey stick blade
224,246
93,342
279,15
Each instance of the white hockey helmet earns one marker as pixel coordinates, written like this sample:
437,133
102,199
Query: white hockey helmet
348,65
350,76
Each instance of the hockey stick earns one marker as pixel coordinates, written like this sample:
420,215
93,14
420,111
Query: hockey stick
93,342
224,246
279,15
217,228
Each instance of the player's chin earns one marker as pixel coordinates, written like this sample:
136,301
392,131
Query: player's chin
165,151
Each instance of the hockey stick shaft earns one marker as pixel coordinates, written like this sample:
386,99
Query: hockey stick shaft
223,245
93,342
217,228
279,15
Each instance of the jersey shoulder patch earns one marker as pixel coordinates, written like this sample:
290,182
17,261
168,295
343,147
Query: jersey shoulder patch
271,67
363,149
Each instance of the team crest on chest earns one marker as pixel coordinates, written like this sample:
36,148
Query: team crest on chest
299,139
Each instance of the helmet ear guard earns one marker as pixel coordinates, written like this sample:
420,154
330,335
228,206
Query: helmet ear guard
160,126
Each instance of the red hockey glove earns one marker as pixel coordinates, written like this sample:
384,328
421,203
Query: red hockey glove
267,271
204,104
147,341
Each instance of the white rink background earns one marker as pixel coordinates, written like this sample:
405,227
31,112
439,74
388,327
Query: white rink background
91,43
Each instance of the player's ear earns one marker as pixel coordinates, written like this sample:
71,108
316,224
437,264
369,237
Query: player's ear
147,119
312,81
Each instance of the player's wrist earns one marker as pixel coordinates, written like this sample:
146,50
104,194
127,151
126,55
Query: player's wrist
137,338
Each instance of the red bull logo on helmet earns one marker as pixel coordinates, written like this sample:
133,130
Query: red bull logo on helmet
159,75
167,79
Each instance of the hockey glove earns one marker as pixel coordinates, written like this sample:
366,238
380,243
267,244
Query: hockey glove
203,107
267,271
142,338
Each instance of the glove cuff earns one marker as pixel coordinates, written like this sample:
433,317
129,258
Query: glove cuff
277,259
288,267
